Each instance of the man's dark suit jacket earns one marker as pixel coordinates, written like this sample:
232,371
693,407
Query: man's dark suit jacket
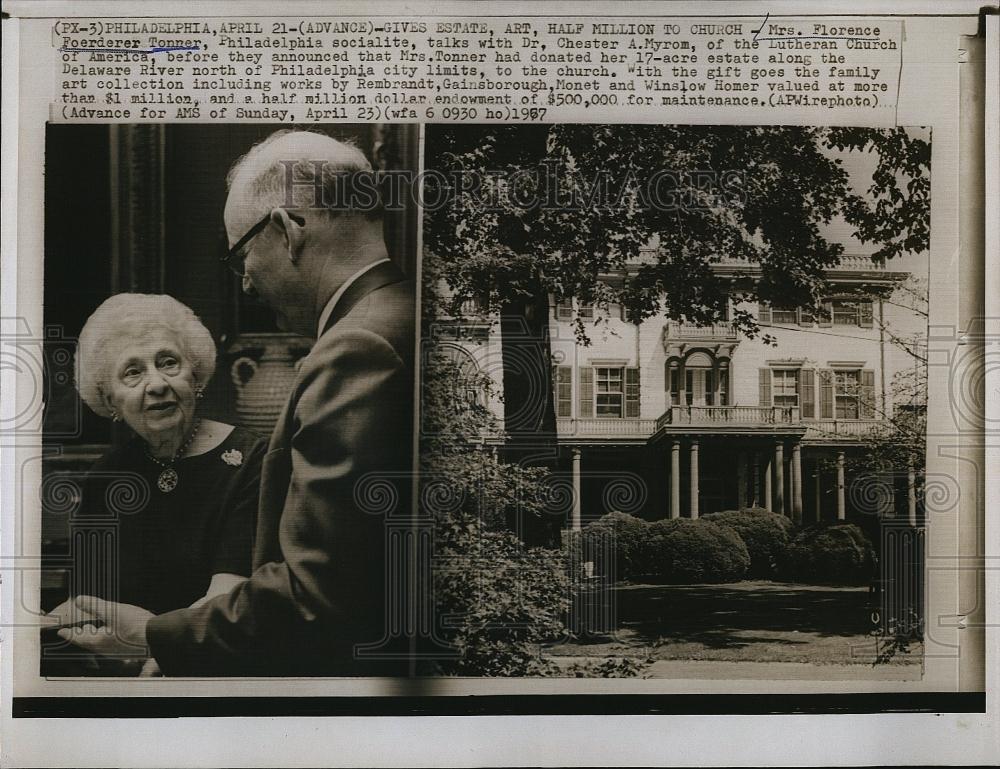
335,471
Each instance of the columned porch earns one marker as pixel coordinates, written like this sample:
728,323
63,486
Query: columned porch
722,468
688,471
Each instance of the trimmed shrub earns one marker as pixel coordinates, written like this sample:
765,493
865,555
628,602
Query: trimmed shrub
619,534
765,534
836,554
500,601
684,550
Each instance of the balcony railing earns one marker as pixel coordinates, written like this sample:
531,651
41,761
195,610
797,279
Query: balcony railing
729,415
719,416
845,428
847,261
677,330
605,428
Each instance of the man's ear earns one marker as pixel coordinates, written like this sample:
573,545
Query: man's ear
293,227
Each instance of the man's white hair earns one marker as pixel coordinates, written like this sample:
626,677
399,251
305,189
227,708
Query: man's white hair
264,170
133,317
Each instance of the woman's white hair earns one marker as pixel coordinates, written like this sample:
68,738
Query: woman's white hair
133,316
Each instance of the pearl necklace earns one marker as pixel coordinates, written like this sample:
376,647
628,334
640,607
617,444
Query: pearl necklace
167,480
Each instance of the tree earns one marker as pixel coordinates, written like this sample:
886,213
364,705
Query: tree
902,445
897,445
522,213
896,213
496,599
892,458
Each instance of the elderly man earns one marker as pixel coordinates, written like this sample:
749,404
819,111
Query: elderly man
338,461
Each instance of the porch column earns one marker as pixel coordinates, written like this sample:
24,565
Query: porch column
756,479
911,489
577,522
675,479
796,482
741,480
841,507
779,477
768,505
818,493
694,479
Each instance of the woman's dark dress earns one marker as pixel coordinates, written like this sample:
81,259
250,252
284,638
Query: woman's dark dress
135,544
132,543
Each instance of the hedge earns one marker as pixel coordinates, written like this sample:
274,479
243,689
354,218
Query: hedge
616,537
838,554
679,550
765,534
682,550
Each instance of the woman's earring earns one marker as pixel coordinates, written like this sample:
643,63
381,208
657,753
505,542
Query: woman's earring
115,416
199,393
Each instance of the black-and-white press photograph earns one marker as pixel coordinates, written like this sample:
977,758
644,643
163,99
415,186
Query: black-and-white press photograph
671,388
229,407
674,390
499,384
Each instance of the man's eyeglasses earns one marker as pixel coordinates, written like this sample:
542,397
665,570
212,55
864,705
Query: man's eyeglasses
236,257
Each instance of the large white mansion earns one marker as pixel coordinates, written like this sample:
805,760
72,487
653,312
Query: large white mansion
709,419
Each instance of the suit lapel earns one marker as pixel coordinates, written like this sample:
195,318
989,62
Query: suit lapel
381,275
277,469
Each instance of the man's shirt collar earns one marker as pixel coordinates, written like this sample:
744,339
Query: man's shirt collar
330,305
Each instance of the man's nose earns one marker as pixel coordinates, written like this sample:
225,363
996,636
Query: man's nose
248,288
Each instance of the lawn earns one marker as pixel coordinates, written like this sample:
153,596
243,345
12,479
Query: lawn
753,621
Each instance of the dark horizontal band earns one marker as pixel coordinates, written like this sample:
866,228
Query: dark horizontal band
489,705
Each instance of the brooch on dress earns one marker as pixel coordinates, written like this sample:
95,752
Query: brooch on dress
233,457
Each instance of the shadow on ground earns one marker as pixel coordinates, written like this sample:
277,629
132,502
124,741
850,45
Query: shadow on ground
720,616
742,622
756,621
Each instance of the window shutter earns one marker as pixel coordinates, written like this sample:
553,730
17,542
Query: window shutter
826,394
632,393
825,315
586,392
675,385
865,314
866,409
764,314
765,387
807,382
564,391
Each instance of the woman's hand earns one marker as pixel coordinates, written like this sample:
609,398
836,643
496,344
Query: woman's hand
63,614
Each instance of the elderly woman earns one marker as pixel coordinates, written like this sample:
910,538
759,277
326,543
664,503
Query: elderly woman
166,520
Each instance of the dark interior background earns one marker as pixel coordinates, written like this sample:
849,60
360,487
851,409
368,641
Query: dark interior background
139,208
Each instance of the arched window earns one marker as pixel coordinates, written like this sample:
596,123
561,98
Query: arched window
464,374
699,379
